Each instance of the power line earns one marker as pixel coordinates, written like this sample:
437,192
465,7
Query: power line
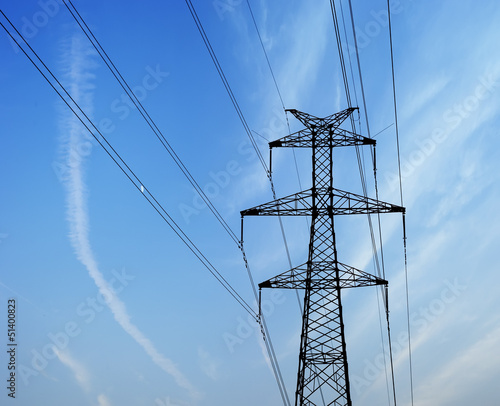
287,250
363,176
293,149
172,153
349,54
279,94
269,346
360,161
125,86
118,160
111,66
359,69
401,196
265,53
116,73
382,263
225,82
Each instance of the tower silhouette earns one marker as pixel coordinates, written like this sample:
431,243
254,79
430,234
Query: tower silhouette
322,376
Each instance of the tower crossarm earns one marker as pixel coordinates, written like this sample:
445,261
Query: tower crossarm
323,275
311,121
337,137
300,204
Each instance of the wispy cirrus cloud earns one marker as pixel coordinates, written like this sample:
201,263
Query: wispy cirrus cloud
209,365
450,383
77,59
102,400
416,100
79,371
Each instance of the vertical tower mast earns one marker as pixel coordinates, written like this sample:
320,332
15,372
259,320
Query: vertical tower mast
322,376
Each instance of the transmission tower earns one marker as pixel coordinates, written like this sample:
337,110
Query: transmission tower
322,377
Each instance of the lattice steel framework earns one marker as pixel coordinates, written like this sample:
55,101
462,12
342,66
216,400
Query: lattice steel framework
323,371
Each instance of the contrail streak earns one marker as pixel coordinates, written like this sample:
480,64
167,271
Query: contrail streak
77,60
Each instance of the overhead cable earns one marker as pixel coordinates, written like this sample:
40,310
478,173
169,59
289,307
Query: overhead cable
401,196
226,84
137,103
118,160
268,343
362,174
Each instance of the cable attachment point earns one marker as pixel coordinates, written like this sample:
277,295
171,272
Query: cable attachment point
259,316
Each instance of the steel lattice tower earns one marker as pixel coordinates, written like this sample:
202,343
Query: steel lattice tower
323,371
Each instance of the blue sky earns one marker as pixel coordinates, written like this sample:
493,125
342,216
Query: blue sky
74,230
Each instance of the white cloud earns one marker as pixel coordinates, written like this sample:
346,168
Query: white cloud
449,384
420,96
78,62
102,400
79,371
208,364
300,66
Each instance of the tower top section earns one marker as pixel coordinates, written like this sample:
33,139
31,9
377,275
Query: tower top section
322,132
